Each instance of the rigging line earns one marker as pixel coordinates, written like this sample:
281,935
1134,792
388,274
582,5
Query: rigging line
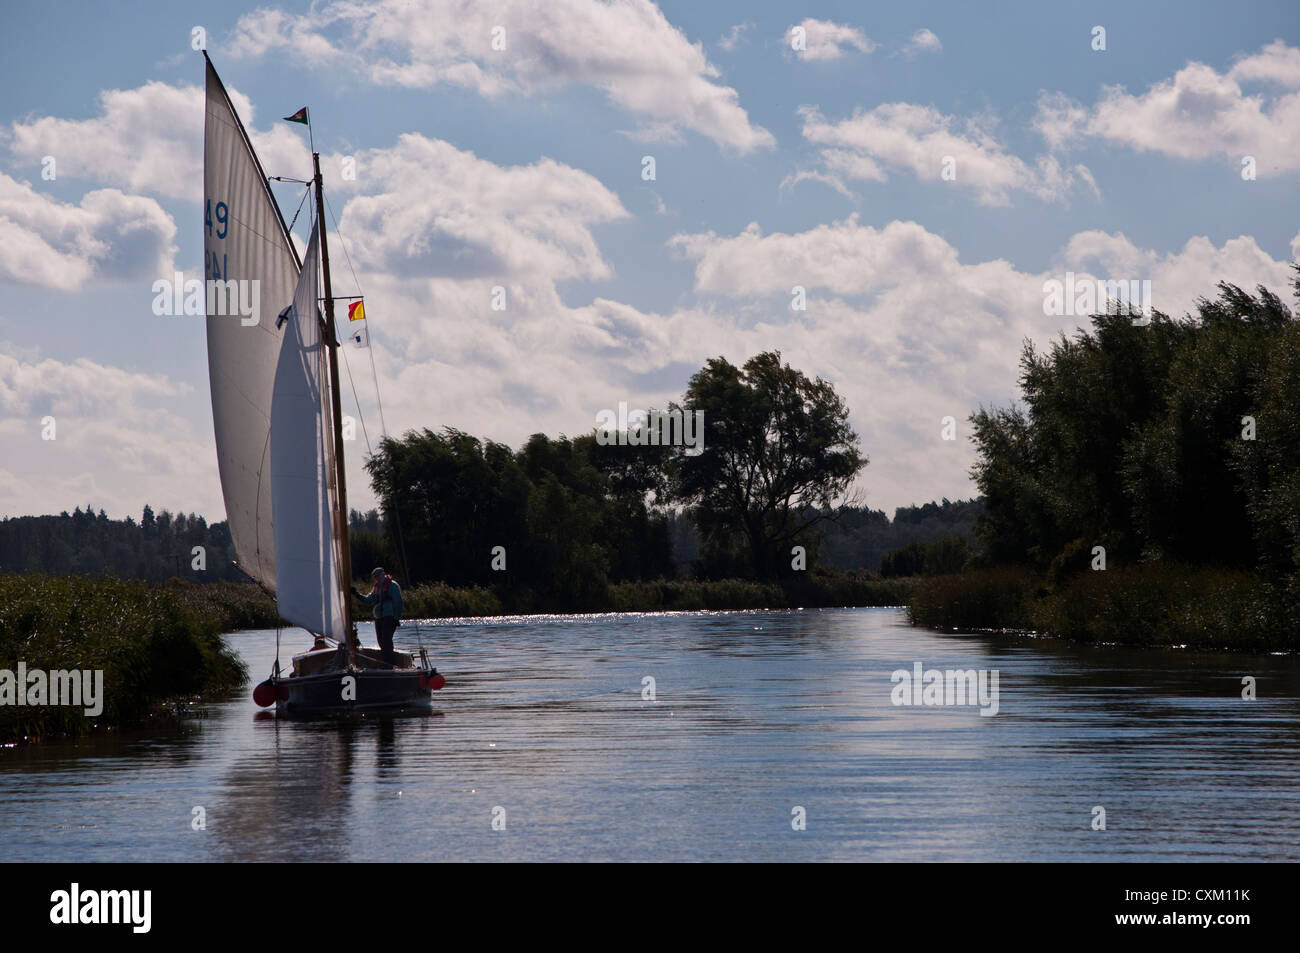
357,400
383,426
356,397
306,192
379,400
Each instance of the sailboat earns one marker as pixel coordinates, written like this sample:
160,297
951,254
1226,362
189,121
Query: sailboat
275,384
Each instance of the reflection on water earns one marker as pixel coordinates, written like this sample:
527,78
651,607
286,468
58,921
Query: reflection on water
754,714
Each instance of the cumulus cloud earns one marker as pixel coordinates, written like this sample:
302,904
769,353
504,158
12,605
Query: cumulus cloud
434,230
432,210
148,140
919,139
1274,63
1179,278
824,40
118,442
842,257
1199,113
907,330
107,236
627,50
922,41
735,35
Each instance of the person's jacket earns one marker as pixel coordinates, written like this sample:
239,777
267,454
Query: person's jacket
386,598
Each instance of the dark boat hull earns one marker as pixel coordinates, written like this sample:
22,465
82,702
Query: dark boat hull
326,681
371,690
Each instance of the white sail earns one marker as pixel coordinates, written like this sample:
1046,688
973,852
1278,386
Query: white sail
244,240
302,439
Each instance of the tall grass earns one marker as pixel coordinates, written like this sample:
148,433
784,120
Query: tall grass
154,643
231,605
1152,604
440,601
999,598
1167,605
817,589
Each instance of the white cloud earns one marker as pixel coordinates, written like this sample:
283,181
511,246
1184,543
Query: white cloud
148,140
118,444
735,35
1199,113
108,236
432,229
429,210
907,331
823,40
843,257
1179,278
1274,63
922,41
1060,120
628,50
919,139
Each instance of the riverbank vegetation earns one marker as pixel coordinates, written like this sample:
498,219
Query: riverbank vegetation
157,646
1149,490
820,589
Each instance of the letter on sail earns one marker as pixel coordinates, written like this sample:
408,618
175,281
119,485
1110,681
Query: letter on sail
244,239
302,461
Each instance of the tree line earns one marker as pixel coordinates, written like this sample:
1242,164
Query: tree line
564,517
156,548
560,519
1173,441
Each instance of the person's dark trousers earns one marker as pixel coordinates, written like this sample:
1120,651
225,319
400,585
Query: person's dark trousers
384,628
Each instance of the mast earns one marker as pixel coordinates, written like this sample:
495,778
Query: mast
345,549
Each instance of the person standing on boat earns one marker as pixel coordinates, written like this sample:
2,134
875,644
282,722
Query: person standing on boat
386,598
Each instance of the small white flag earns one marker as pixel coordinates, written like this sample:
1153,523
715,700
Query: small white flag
361,338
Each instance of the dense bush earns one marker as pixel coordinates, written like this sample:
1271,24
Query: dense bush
154,643
1167,605
1155,604
996,598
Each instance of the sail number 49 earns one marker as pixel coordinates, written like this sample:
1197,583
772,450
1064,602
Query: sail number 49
223,218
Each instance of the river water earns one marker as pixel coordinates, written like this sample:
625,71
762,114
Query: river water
545,746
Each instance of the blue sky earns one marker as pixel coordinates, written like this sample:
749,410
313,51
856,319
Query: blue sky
522,168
